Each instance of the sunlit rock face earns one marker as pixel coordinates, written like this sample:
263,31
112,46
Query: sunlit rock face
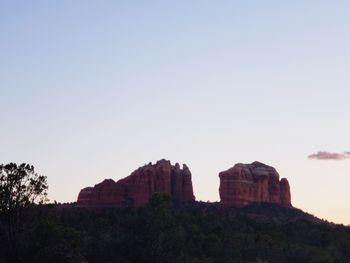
245,184
137,188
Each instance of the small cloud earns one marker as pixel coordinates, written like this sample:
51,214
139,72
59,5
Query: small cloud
329,156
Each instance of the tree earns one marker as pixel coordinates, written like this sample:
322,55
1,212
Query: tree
159,200
20,186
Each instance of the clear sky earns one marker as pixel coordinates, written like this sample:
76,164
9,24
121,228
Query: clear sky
94,89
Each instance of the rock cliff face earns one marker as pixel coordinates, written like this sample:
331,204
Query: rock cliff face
244,184
137,188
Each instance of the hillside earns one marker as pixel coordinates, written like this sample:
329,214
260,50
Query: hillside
165,232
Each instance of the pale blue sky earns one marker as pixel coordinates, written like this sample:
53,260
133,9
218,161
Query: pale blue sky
94,89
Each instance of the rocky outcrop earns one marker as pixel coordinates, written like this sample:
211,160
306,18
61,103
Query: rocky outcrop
240,185
106,193
245,184
137,188
285,192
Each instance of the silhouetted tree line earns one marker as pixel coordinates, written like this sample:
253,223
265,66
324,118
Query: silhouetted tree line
20,188
163,232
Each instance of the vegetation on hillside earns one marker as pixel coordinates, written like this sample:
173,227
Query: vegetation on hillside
164,232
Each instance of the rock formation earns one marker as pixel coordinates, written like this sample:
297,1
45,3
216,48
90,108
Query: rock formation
137,188
240,185
244,184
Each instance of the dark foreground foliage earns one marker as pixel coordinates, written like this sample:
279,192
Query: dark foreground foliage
168,233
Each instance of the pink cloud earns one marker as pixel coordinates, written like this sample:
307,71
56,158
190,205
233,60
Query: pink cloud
329,156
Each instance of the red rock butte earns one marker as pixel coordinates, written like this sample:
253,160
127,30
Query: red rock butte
245,184
137,188
240,185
